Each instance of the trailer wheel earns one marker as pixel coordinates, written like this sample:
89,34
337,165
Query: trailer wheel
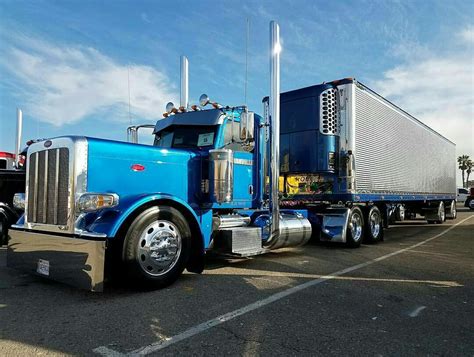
374,225
453,213
440,215
355,227
156,247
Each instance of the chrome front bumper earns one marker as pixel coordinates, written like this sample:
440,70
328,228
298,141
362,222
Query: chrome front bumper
73,261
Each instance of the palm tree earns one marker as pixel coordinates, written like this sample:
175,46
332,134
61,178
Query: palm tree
462,162
469,165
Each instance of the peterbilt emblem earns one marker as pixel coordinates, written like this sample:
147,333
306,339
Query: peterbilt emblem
137,167
48,143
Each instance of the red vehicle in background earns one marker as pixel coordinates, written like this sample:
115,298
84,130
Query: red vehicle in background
7,160
470,199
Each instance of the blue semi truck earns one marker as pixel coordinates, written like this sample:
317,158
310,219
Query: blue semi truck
340,164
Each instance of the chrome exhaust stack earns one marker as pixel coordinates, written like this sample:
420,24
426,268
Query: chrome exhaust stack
274,159
19,128
184,91
285,229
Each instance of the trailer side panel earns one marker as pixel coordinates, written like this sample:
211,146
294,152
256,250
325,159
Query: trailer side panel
395,153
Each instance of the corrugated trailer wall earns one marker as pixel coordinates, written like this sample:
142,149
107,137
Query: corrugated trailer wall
395,153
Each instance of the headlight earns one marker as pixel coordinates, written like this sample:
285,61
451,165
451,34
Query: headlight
19,201
89,202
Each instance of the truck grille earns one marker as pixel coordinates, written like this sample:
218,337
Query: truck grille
48,187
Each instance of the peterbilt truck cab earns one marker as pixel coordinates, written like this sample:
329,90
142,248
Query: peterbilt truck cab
153,210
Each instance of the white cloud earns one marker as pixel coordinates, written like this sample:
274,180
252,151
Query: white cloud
438,89
63,85
467,35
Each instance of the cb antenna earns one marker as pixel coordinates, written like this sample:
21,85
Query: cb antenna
128,80
246,60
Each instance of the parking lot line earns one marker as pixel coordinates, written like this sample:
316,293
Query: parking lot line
195,330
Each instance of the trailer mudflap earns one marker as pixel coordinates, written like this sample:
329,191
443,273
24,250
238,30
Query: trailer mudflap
73,261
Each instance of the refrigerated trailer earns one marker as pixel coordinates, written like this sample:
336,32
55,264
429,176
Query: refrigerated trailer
343,145
339,164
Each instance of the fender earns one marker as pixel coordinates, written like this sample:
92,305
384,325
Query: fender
109,221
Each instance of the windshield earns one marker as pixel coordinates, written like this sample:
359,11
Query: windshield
186,136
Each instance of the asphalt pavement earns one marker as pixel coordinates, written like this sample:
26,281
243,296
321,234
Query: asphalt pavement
410,295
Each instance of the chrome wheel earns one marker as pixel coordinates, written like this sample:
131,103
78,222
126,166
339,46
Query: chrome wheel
375,223
355,226
452,210
441,213
159,247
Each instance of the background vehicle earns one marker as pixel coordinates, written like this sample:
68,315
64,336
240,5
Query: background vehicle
469,202
462,195
12,180
211,182
7,160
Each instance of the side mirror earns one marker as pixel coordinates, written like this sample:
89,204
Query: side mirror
246,128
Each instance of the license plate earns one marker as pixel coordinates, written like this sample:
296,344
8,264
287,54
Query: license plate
43,267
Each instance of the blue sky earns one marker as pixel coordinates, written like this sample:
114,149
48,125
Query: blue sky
66,63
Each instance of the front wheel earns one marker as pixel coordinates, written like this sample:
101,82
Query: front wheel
374,225
355,227
156,247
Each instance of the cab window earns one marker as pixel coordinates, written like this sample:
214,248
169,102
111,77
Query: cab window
186,136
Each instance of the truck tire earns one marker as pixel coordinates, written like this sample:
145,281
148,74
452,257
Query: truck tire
452,211
440,216
156,247
471,204
374,225
3,231
355,227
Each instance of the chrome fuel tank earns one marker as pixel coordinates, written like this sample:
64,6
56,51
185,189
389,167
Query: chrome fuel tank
295,229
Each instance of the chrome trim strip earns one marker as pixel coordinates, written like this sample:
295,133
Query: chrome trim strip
45,188
82,233
246,162
35,197
56,188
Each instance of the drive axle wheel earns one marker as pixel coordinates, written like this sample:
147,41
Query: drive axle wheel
374,225
355,227
156,247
